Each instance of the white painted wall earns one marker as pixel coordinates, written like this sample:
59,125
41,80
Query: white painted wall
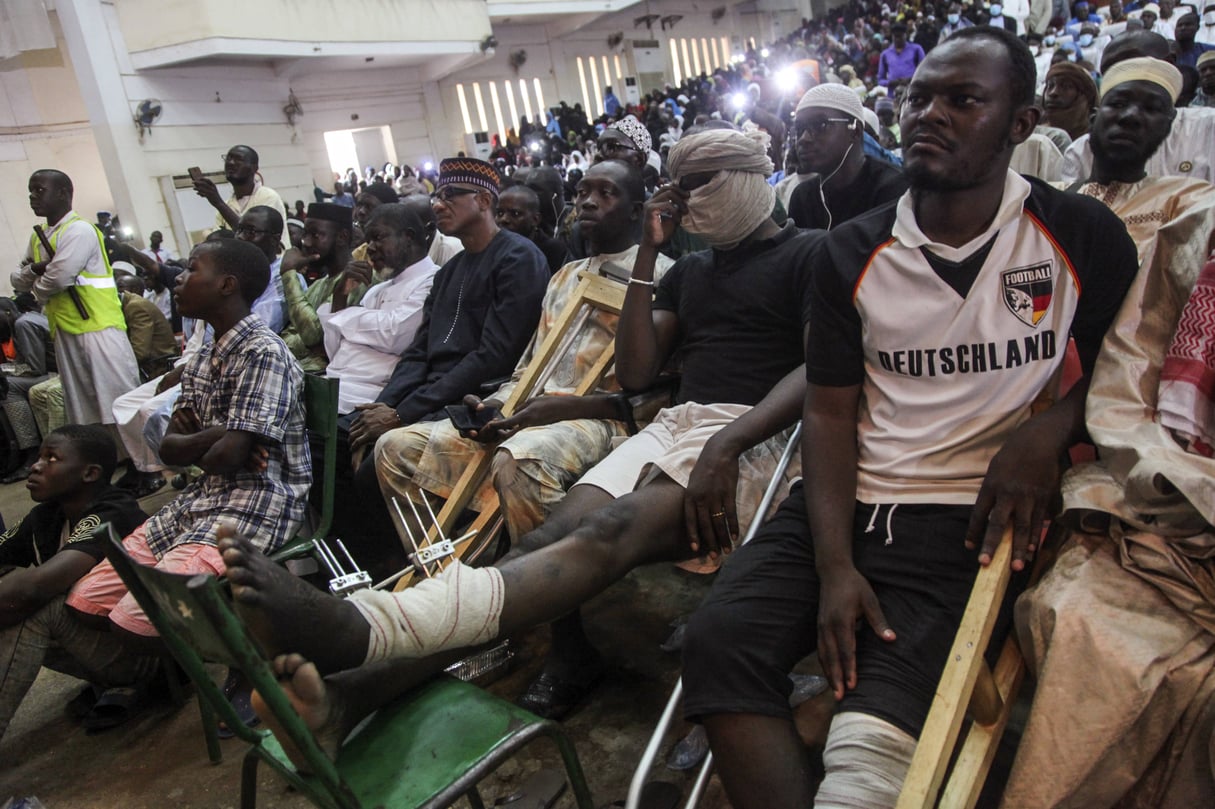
77,117
43,124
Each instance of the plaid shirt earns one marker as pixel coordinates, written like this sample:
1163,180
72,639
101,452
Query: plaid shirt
246,380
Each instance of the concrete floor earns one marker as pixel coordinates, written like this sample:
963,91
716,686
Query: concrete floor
159,759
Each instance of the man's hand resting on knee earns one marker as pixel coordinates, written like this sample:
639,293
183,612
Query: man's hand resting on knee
710,508
845,598
1022,480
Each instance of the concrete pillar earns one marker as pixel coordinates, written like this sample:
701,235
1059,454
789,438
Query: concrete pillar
92,46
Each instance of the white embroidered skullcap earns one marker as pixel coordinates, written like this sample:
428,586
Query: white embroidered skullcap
1152,7
634,131
1209,56
1143,68
832,97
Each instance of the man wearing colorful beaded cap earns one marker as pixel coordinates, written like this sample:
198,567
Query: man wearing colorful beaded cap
481,312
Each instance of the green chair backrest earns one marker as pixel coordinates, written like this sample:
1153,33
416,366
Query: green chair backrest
195,619
321,416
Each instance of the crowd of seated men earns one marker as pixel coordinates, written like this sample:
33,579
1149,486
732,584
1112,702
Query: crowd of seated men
915,313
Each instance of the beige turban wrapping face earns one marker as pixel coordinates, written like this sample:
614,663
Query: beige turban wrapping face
738,199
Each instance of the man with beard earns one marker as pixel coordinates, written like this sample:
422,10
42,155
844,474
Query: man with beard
1186,152
936,327
326,247
685,486
553,438
1068,98
240,169
829,130
364,342
1135,565
481,311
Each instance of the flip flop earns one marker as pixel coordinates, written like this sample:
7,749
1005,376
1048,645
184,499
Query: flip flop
148,486
115,706
19,474
690,750
242,703
79,706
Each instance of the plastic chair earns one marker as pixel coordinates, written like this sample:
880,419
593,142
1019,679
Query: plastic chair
426,749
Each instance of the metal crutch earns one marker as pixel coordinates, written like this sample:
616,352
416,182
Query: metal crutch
651,751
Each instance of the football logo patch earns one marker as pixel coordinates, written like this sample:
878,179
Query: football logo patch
1027,291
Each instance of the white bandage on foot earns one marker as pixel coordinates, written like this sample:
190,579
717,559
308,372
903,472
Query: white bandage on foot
458,607
866,760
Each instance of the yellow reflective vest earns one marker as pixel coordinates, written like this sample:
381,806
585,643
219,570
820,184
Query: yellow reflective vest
97,291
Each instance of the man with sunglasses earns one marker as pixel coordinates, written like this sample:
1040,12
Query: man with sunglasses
828,133
482,309
626,140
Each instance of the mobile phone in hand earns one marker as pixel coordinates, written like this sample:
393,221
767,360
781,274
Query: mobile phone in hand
464,418
195,173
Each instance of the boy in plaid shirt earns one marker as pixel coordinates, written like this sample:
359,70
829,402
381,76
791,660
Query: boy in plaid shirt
240,418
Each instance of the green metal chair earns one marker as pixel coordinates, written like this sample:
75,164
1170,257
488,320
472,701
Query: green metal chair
427,749
321,418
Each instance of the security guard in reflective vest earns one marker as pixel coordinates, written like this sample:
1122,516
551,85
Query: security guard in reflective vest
67,270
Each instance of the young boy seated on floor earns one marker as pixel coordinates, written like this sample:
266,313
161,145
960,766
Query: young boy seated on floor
240,418
49,551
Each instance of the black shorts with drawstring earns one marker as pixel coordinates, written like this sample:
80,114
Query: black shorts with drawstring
760,618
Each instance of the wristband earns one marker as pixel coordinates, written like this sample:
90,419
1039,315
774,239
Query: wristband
639,282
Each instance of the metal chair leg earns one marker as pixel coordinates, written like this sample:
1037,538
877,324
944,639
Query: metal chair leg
248,780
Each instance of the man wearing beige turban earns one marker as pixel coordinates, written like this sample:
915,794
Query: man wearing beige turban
1121,631
1188,150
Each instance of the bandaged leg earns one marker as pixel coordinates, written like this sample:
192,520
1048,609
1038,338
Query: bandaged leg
458,607
866,759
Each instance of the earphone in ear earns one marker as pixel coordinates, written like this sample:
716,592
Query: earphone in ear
854,124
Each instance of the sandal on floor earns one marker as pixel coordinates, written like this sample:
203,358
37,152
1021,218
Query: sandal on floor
79,706
551,696
149,485
242,703
115,706
17,475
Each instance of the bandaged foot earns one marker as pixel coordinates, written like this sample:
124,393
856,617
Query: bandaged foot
866,759
286,614
458,607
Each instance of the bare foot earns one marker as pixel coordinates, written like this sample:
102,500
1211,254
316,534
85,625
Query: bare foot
313,700
288,615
